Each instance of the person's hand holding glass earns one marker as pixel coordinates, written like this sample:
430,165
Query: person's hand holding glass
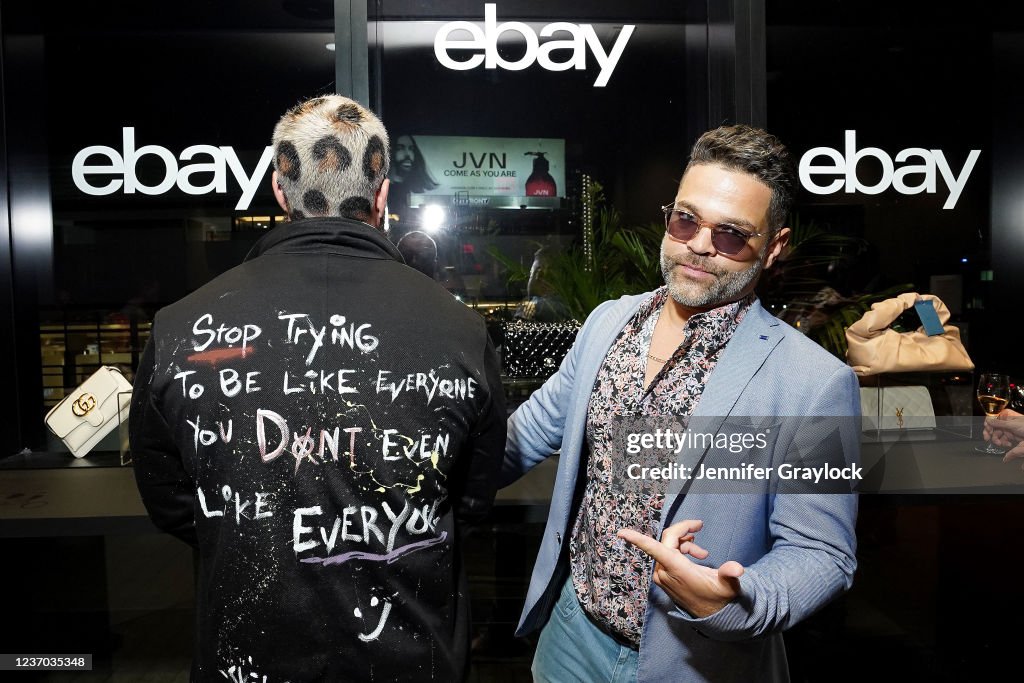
1007,430
993,395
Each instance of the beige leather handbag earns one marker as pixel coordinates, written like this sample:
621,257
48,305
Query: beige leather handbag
874,348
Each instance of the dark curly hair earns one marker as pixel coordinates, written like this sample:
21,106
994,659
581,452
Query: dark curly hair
754,151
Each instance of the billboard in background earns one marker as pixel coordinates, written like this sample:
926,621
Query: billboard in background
486,171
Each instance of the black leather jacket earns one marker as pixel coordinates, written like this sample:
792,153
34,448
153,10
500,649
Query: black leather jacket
317,421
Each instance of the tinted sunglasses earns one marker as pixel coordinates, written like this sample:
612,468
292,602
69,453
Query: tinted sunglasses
683,226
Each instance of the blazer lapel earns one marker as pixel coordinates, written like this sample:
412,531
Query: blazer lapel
594,349
752,342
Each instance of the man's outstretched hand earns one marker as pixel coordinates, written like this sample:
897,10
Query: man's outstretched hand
700,590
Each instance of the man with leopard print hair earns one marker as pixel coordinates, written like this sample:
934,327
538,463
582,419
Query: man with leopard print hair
361,423
330,159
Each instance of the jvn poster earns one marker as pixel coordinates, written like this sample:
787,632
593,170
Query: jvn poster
458,169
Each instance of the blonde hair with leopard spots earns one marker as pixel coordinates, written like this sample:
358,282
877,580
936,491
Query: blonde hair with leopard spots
331,155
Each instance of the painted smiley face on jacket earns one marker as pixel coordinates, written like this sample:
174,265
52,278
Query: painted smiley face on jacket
376,603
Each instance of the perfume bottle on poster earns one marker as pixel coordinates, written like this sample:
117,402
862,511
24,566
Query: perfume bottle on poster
540,183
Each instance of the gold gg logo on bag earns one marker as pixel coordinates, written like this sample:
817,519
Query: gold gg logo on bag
83,405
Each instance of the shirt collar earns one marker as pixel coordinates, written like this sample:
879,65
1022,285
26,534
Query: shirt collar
720,321
326,236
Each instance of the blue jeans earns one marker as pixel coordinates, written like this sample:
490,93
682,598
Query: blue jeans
572,648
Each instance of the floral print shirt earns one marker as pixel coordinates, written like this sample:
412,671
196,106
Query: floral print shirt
611,576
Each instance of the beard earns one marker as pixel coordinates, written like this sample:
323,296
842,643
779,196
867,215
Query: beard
727,286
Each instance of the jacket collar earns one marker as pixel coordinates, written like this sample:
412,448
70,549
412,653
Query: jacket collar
326,236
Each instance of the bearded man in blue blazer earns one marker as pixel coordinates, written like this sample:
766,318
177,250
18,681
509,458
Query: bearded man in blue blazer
690,579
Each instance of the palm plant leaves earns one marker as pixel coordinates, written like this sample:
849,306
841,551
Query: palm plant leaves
620,261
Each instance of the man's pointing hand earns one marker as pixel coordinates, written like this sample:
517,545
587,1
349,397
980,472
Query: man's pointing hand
700,590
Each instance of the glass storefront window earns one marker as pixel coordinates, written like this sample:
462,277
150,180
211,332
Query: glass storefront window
131,187
917,184
139,163
129,192
503,114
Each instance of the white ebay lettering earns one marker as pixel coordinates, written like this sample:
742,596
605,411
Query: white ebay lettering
123,164
898,178
487,40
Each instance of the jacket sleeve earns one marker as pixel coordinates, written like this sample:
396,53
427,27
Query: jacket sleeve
535,430
813,554
487,444
167,490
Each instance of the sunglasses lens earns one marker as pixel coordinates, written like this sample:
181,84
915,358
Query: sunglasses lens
679,227
683,227
727,241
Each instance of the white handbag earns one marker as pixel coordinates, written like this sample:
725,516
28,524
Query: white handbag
91,411
901,407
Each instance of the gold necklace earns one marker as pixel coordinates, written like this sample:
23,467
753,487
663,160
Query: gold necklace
655,358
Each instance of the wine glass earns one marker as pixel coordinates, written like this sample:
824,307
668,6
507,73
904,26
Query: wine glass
993,395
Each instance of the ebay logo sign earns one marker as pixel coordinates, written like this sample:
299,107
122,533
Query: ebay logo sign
824,170
476,46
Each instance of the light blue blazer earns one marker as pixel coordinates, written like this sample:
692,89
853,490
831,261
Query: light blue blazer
798,548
